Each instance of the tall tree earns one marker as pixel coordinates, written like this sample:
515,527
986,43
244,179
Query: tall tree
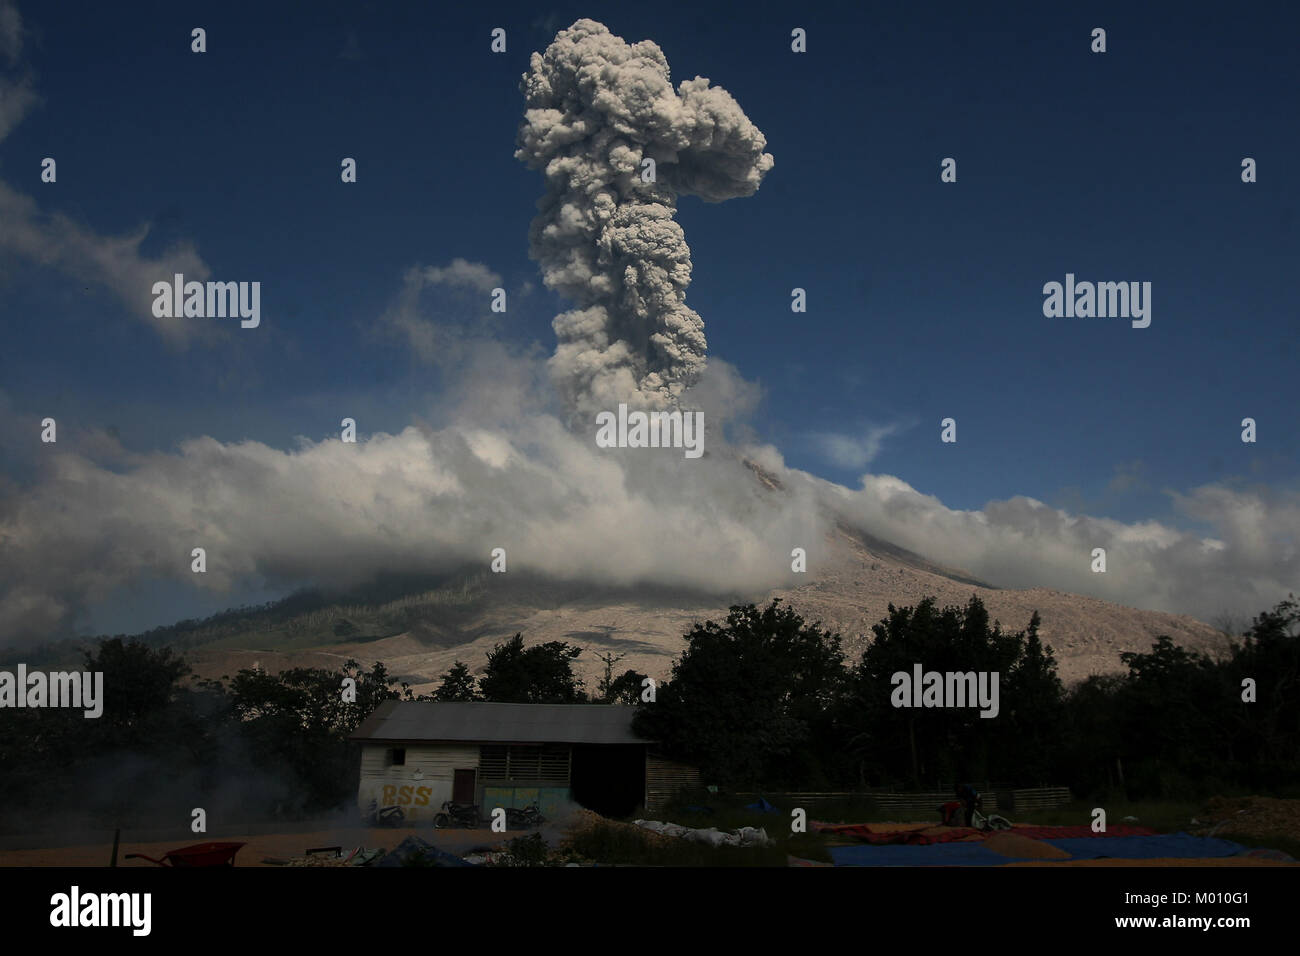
626,688
747,698
457,684
929,745
541,674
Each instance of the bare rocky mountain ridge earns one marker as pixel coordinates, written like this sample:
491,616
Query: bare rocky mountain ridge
848,594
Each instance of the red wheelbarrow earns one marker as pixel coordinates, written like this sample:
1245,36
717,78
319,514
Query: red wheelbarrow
201,854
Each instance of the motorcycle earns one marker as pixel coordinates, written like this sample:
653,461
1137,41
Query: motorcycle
458,815
527,818
384,816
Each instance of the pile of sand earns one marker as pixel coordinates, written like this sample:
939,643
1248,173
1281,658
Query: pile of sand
580,820
1014,845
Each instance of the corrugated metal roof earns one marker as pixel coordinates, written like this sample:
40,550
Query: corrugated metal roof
481,722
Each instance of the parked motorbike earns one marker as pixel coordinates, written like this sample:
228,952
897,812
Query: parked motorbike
458,815
385,816
526,818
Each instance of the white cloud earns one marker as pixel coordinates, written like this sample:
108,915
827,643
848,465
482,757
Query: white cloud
11,32
54,240
112,262
1250,560
851,451
471,275
422,500
443,342
17,97
507,472
17,94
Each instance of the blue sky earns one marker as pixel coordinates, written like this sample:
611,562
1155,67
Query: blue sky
924,298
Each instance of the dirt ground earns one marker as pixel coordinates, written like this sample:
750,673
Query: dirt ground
283,846
1249,816
1160,862
1254,817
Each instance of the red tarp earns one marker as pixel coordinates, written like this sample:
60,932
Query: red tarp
918,837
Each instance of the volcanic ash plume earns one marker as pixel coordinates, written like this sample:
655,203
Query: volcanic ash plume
596,107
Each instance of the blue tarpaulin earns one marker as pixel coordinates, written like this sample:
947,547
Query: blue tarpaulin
896,854
762,806
416,852
1174,845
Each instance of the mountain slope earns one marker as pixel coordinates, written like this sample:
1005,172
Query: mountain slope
848,593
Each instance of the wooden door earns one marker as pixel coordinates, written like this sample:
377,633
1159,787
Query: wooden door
463,786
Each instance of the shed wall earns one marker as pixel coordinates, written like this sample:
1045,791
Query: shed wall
664,779
436,765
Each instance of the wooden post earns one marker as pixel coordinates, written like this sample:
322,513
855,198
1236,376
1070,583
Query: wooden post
116,836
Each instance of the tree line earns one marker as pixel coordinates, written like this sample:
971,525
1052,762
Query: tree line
762,699
768,700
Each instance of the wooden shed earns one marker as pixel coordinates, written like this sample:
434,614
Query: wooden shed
418,754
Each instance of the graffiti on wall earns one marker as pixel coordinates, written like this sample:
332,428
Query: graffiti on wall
405,796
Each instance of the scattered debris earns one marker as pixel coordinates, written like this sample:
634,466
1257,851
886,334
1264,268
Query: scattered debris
530,850
330,856
314,859
365,857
